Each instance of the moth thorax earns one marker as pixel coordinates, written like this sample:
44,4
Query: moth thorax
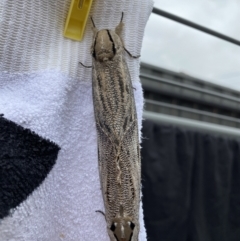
105,45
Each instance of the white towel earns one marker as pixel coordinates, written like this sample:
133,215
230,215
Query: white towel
43,89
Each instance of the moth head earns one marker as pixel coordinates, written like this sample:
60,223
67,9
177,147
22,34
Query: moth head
122,228
106,43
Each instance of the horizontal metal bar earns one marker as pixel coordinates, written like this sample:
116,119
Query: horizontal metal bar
194,111
192,124
203,91
158,71
196,26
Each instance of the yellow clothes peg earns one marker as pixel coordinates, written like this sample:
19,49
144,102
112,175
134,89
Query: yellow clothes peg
77,19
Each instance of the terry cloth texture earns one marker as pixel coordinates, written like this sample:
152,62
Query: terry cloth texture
25,161
46,97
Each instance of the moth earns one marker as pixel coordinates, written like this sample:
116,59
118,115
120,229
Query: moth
117,132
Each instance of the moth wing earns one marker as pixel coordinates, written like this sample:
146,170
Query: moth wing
131,166
107,160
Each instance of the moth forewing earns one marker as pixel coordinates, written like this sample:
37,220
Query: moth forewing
117,130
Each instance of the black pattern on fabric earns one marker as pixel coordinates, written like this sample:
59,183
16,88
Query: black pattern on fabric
191,185
25,161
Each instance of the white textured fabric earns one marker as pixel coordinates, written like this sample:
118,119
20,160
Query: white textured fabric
43,88
31,34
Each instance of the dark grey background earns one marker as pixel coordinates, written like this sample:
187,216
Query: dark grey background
191,185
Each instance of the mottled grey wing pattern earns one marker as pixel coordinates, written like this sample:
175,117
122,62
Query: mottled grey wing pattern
113,97
116,121
119,185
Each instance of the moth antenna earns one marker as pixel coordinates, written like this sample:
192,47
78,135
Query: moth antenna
94,29
119,28
122,17
93,22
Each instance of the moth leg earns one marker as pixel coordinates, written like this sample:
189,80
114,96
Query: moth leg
135,57
99,211
134,88
85,65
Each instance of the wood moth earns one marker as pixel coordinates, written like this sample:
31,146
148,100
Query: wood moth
117,131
